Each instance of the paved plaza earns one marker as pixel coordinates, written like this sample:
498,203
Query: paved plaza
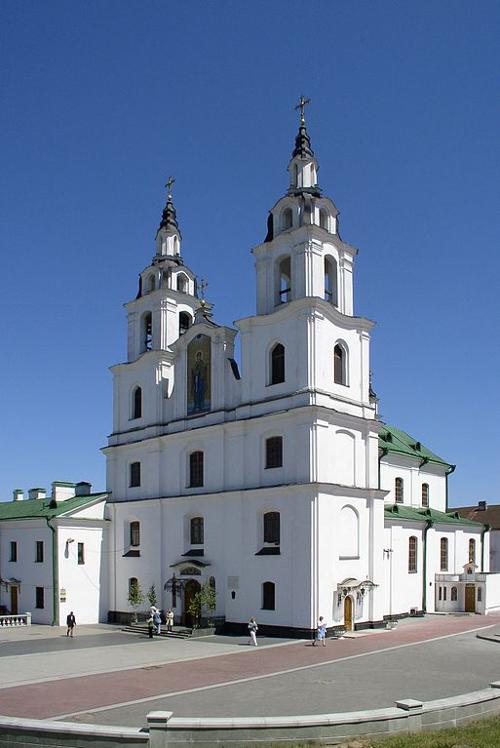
107,676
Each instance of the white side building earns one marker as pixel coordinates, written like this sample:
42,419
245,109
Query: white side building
51,551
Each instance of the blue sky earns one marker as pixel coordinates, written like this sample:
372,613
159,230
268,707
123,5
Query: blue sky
102,101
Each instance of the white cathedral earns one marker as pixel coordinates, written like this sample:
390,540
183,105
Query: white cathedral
274,479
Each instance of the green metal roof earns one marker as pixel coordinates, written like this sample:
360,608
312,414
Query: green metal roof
41,508
400,511
398,442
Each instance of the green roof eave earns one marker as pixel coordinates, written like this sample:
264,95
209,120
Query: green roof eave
400,511
44,508
399,442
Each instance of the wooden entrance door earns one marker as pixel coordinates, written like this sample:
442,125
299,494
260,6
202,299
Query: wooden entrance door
191,587
470,598
13,600
348,613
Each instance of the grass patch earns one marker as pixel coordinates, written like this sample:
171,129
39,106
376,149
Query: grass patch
483,733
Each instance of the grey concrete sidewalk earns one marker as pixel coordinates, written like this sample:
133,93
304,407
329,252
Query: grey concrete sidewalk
45,653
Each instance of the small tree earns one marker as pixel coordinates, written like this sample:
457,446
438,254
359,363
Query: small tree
204,599
151,596
135,597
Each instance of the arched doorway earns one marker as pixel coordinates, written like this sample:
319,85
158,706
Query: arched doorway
348,613
470,598
13,599
191,587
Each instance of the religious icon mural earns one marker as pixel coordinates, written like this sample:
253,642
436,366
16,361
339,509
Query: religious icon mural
198,375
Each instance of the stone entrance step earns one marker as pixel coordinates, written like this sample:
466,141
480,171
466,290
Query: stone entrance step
142,628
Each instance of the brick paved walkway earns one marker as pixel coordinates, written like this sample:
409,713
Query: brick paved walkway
49,699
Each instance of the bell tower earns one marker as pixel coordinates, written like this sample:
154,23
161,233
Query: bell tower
163,310
303,254
166,303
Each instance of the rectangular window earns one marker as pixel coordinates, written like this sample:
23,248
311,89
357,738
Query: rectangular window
135,474
412,554
479,594
81,553
274,452
444,593
39,601
197,531
135,534
196,466
444,554
13,550
268,596
272,528
440,593
39,552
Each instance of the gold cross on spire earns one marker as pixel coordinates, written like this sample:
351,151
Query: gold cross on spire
169,185
301,105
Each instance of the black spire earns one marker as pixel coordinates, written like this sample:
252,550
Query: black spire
303,143
169,216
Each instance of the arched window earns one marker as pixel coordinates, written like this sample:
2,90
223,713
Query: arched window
182,283
331,280
399,490
444,554
454,595
133,585
184,322
323,219
151,283
472,551
284,281
287,219
412,554
147,331
135,474
137,403
272,527
268,596
135,533
425,494
278,364
196,531
196,469
339,365
274,452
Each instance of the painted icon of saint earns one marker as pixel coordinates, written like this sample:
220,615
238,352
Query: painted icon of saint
198,382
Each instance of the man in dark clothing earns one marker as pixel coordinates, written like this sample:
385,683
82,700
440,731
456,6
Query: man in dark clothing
70,623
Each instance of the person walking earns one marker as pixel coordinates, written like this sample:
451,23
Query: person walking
151,625
157,621
252,630
320,632
170,619
70,623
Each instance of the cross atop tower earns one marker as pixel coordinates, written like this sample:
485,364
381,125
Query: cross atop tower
301,105
169,185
